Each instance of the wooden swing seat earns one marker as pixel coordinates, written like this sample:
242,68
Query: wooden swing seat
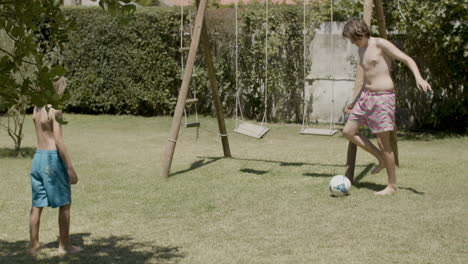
251,130
318,131
193,124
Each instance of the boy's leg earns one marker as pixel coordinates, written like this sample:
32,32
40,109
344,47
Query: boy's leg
350,131
387,152
64,228
34,222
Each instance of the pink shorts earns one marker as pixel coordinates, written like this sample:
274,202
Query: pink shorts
376,110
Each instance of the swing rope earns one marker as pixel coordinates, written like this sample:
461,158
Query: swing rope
265,82
304,32
305,122
182,55
182,38
332,64
237,68
265,86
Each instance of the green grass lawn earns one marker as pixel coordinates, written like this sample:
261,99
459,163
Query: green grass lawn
268,204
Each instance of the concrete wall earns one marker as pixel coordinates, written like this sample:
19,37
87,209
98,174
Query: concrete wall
80,2
330,82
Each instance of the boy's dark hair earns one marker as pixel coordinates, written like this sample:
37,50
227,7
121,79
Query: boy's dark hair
356,29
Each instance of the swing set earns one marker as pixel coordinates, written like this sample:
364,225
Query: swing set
199,34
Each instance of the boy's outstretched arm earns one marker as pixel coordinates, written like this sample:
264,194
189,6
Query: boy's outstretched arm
61,146
397,54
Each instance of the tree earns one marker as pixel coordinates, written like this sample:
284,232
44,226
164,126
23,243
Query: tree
13,125
39,30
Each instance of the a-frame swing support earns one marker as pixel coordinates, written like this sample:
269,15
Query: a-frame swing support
200,33
352,148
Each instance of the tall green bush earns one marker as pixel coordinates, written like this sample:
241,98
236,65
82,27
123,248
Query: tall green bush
130,69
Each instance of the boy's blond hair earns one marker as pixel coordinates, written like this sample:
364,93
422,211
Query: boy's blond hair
356,29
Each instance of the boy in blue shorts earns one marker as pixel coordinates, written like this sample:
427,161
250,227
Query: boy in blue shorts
51,174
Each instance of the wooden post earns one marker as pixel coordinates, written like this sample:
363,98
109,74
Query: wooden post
215,92
351,161
383,33
175,127
200,33
380,18
358,83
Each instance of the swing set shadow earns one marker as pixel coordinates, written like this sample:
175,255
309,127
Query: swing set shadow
207,160
358,183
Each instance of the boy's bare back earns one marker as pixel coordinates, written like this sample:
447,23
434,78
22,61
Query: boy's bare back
44,125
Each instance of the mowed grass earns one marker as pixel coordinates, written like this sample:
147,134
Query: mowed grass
268,204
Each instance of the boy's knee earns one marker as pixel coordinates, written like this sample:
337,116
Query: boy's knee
36,210
383,140
65,207
348,133
380,144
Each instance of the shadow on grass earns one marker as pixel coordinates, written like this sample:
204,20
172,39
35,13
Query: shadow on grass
203,161
411,190
311,174
378,187
363,173
284,163
113,249
26,152
374,186
258,172
197,164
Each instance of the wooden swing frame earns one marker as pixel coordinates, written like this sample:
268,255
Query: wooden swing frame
200,33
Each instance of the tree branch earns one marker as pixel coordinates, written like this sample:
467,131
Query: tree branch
10,36
8,53
13,56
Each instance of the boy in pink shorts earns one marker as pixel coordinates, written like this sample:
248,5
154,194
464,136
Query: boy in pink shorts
375,104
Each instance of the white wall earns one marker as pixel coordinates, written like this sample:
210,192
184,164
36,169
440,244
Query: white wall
331,75
80,2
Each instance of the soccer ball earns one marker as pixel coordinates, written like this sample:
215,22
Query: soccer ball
339,185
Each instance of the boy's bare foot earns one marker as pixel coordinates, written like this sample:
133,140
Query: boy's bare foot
378,168
35,250
388,190
69,250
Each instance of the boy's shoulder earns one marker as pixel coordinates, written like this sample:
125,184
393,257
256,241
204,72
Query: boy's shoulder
53,111
381,42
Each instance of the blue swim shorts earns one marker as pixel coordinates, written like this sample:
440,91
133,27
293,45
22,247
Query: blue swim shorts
49,180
